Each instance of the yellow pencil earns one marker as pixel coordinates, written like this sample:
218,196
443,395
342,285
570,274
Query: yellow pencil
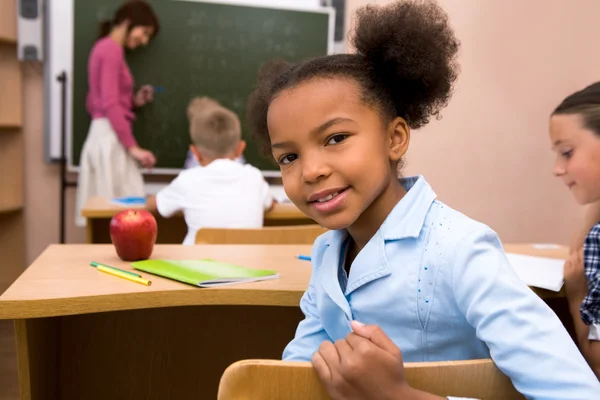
123,275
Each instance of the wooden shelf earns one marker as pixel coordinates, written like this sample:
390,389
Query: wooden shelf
4,40
12,248
12,225
8,21
11,165
11,95
11,209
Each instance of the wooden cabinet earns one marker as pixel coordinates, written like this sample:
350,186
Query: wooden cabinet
11,170
11,119
11,82
12,248
12,234
8,21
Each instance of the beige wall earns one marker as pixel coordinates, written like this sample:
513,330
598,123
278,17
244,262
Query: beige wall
41,180
488,157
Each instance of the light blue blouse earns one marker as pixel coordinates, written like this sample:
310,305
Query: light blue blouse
440,285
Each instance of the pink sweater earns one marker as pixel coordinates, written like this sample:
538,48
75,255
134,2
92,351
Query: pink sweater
111,89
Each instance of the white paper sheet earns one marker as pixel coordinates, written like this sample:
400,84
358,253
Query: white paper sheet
546,246
545,273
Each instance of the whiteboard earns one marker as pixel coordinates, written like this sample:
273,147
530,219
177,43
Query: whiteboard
59,58
59,45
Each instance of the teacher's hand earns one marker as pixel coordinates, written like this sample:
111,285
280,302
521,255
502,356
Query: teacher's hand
144,95
145,157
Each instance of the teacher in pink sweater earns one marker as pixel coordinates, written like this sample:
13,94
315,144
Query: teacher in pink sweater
111,158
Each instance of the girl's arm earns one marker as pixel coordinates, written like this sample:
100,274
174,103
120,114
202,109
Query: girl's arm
582,284
310,333
112,63
151,204
589,348
526,339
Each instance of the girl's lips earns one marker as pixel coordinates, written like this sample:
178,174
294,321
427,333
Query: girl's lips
332,204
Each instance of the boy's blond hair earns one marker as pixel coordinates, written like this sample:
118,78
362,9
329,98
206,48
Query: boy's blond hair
213,128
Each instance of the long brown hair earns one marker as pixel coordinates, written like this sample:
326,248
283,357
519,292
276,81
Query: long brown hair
137,12
586,103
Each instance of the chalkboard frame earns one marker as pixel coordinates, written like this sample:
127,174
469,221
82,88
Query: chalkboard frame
329,11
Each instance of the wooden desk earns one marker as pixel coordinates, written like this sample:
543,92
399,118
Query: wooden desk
99,211
82,334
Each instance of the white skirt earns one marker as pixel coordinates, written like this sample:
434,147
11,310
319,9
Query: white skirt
105,168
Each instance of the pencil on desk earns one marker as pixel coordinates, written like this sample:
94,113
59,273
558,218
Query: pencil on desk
123,275
95,264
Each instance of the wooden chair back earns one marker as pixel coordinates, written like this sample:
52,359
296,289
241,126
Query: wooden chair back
269,379
302,234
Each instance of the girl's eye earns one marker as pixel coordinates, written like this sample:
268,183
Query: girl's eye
335,139
288,158
567,154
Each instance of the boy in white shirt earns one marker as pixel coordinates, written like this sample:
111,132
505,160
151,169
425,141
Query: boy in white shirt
220,193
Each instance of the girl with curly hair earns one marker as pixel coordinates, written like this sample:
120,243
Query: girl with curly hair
426,282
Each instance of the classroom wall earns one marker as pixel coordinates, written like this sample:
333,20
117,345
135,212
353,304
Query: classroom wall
488,157
42,180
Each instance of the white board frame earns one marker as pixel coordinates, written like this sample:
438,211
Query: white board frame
59,58
59,43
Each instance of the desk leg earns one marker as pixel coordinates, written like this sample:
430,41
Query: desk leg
38,350
98,230
89,232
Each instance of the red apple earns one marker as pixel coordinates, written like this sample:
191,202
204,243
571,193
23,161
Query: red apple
133,233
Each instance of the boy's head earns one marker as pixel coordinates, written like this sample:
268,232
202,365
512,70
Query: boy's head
214,130
575,137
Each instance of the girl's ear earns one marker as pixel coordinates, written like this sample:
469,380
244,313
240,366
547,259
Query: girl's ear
399,136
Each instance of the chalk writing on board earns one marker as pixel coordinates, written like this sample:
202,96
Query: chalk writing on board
205,49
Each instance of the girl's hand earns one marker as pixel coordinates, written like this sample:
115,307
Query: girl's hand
365,365
144,157
144,95
576,284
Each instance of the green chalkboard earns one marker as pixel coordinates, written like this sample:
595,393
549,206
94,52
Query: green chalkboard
204,48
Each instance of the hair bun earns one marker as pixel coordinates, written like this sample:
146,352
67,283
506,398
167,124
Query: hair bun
412,50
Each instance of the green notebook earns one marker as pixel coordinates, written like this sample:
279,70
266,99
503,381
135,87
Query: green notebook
203,273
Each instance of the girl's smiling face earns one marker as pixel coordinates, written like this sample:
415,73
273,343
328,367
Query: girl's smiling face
337,155
578,156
